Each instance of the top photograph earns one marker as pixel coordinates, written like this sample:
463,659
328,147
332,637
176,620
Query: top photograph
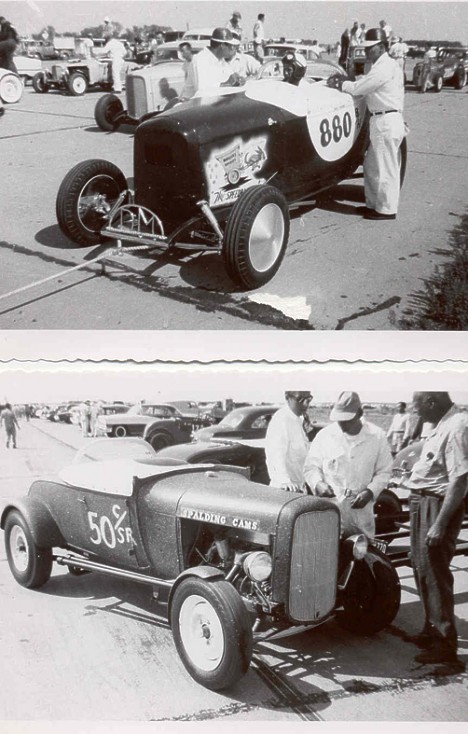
280,166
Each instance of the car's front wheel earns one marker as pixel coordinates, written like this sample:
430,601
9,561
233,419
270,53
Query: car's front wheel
371,598
31,566
438,83
77,84
11,87
85,197
212,632
387,511
120,431
39,83
159,440
108,107
256,236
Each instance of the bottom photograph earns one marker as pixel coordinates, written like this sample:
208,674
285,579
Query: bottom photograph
262,542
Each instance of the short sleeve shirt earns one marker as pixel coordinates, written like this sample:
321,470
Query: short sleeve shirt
444,455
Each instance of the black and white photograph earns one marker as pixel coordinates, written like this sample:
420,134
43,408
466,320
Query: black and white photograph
215,506
158,175
233,542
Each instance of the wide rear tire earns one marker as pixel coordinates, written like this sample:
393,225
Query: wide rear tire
31,566
39,83
108,107
212,632
85,197
159,440
256,236
460,78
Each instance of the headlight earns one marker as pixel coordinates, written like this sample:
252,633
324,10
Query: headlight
360,547
258,566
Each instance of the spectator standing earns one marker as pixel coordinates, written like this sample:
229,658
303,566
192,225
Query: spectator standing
186,52
85,418
259,38
209,68
117,52
8,419
87,46
316,50
354,34
344,49
286,442
361,35
383,89
398,51
155,41
438,486
8,42
234,24
242,64
350,461
399,433
386,28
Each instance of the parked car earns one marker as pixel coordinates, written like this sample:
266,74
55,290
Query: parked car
218,174
76,77
449,67
65,413
160,425
246,423
170,50
27,67
44,50
227,562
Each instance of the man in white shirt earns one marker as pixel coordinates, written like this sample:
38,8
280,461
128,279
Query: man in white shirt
234,24
259,38
209,68
384,89
286,442
117,52
398,51
438,485
399,432
351,462
242,64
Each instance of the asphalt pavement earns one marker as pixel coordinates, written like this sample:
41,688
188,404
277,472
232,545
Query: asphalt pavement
340,271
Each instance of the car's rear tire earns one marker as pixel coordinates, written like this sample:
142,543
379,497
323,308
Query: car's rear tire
256,236
77,84
11,87
438,83
120,431
160,440
108,107
402,159
86,195
460,78
387,511
39,83
372,596
31,566
212,632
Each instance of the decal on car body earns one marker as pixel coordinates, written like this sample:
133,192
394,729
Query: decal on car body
217,519
109,531
234,168
333,131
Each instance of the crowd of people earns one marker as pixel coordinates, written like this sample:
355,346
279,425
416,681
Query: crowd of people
350,462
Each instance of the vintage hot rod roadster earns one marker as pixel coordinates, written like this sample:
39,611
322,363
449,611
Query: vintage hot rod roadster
219,174
228,560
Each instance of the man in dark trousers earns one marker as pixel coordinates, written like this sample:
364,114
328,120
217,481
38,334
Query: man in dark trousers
438,485
8,418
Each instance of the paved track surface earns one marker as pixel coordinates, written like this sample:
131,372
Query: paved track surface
92,648
340,271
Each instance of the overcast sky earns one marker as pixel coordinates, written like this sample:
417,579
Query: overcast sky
216,382
324,20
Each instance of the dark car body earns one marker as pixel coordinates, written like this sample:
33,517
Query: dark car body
159,424
218,174
449,67
225,561
246,423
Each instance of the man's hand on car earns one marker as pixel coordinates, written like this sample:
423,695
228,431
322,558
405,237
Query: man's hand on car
294,487
362,499
235,80
336,81
322,489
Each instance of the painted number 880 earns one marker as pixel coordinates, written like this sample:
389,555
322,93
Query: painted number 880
337,130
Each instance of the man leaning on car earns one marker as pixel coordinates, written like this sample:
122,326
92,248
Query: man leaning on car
286,443
209,68
383,87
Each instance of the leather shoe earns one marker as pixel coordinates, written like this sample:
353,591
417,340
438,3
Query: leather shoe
437,654
371,214
423,639
363,210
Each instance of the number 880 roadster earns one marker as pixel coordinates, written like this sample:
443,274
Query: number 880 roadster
219,174
229,560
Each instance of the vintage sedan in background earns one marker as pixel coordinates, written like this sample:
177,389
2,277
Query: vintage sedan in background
219,173
160,425
249,422
450,67
226,562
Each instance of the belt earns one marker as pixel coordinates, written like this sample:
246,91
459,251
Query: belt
383,112
426,493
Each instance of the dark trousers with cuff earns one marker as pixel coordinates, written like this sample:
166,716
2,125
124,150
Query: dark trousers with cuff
431,567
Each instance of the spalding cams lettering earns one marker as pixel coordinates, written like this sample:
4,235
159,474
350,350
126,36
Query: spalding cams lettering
236,522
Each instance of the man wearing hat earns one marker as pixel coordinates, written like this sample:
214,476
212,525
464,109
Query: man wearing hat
350,461
286,443
210,67
234,24
383,88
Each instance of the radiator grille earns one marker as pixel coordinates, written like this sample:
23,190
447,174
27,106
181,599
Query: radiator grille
314,565
137,103
57,71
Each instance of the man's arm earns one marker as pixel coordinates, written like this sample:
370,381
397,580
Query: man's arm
454,496
376,76
276,445
383,468
313,472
